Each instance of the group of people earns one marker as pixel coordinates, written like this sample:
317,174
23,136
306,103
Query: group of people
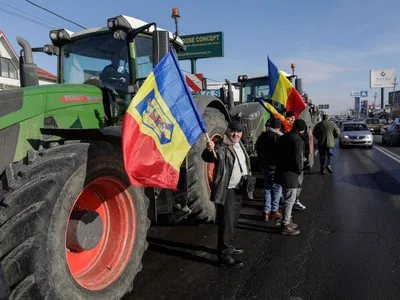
283,156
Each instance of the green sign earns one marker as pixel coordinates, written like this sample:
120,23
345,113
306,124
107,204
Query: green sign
323,106
203,45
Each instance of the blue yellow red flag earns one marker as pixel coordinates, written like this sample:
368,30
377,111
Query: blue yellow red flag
160,126
272,111
282,91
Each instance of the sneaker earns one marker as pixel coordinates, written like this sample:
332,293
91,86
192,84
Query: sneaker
329,168
237,251
298,206
293,225
276,215
322,171
288,230
266,215
228,261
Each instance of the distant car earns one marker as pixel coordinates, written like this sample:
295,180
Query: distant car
355,134
391,135
374,125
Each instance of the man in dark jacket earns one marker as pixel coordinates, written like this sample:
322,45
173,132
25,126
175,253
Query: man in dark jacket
289,168
231,164
325,132
4,289
267,153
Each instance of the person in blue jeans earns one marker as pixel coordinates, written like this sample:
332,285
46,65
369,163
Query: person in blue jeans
266,147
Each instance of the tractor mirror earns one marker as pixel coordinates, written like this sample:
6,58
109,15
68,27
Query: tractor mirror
160,45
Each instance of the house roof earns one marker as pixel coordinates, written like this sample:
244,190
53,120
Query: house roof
43,74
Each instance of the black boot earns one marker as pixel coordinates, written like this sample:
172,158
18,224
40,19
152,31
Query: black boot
227,261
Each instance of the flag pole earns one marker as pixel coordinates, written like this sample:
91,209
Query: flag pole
208,140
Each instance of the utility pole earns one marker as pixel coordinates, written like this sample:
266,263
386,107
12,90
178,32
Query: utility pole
394,91
375,96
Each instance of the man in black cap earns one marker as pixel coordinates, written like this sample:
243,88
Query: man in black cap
231,164
289,168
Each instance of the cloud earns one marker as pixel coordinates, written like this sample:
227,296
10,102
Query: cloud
314,71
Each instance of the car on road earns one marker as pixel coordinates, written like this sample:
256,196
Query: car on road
391,135
374,125
355,133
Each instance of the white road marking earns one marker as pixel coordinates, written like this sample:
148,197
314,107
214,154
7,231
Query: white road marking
393,156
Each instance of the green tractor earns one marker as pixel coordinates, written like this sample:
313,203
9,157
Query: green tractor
71,225
254,116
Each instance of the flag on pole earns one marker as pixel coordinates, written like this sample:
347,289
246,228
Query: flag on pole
273,112
160,126
282,91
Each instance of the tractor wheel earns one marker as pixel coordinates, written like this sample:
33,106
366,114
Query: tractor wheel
201,174
71,226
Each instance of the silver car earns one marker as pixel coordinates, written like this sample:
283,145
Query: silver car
355,133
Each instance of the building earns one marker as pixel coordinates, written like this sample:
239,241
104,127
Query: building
396,97
9,67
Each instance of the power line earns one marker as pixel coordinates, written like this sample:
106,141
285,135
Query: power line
55,14
25,18
17,9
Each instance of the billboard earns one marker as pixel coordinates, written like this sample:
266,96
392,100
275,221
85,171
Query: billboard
204,45
358,94
382,78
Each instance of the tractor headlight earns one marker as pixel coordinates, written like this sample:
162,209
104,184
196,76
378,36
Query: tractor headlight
254,115
60,37
117,23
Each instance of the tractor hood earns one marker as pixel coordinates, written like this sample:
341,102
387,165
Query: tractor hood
24,111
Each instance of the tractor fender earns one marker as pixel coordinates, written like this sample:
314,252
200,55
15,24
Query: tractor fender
112,134
203,101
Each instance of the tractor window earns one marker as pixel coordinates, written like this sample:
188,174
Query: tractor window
255,88
101,57
144,55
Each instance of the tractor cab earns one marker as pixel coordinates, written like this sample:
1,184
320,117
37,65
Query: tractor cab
251,112
116,58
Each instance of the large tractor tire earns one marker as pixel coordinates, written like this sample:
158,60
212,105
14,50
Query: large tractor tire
201,174
71,226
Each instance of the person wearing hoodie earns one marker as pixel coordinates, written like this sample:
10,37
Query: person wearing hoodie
289,169
267,153
290,116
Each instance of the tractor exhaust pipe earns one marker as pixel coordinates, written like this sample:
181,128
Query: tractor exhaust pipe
28,70
231,102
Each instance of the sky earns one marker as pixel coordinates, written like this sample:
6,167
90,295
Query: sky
333,44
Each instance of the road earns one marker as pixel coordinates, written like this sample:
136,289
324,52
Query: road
349,246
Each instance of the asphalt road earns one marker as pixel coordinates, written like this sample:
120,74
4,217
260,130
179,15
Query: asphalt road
349,246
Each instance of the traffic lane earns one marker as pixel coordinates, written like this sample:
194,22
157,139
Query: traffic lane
378,142
387,158
348,247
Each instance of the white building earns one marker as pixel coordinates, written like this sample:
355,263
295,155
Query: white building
9,67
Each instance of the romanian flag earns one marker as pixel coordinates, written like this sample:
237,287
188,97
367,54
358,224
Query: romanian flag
273,112
160,126
282,91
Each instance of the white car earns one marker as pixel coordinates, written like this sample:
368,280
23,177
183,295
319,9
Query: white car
355,133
